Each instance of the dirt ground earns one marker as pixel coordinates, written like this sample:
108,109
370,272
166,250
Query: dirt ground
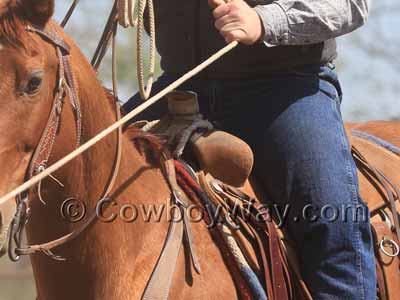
16,280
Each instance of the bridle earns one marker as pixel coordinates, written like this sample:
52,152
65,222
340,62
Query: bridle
157,288
66,85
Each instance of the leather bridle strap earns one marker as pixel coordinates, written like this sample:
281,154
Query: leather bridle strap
392,191
68,85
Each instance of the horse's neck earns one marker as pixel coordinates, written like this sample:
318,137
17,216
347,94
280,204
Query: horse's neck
105,247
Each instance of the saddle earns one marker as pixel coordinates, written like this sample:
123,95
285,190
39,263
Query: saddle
378,166
209,167
219,153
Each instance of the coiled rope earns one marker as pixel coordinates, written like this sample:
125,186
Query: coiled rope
127,18
124,12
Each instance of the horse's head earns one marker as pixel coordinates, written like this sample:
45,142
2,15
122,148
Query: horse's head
28,72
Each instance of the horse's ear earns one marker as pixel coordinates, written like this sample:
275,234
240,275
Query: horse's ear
5,6
38,12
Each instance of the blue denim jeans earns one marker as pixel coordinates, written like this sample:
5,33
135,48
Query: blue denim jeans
294,125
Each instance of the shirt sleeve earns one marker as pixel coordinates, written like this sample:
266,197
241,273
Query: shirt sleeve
301,22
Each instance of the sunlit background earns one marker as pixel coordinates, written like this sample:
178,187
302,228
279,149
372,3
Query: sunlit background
368,65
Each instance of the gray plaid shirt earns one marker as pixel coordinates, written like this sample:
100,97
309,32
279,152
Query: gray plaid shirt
299,22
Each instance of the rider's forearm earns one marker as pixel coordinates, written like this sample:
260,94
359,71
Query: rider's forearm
300,22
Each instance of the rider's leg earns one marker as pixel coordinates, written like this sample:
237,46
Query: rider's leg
294,126
293,122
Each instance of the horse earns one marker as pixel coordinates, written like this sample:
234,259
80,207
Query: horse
110,260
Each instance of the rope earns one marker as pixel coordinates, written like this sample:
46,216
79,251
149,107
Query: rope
145,89
126,13
126,18
34,180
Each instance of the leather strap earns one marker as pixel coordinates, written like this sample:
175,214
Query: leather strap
275,277
380,279
392,191
66,85
159,285
161,279
275,270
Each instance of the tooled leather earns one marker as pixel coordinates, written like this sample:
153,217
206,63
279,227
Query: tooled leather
66,85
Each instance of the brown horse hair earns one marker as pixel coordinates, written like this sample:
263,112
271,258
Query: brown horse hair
13,33
13,29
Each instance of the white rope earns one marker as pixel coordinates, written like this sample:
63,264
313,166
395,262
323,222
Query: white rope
127,18
145,89
126,13
36,179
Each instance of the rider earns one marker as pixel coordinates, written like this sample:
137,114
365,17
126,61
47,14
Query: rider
278,91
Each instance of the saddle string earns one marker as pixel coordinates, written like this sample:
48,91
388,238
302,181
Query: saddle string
39,189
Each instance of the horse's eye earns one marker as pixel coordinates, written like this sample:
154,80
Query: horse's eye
34,84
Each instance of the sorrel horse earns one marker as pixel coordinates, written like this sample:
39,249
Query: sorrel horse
110,260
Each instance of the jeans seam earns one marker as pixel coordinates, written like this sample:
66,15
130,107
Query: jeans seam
352,183
336,97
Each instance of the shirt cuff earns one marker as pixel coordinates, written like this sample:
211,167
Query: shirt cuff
276,26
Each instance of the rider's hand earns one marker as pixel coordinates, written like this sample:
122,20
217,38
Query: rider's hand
237,21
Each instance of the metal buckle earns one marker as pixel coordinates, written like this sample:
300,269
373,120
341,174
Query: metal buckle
389,243
17,226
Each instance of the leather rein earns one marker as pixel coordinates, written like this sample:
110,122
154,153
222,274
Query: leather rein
66,85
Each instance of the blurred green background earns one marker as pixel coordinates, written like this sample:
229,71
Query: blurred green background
368,65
